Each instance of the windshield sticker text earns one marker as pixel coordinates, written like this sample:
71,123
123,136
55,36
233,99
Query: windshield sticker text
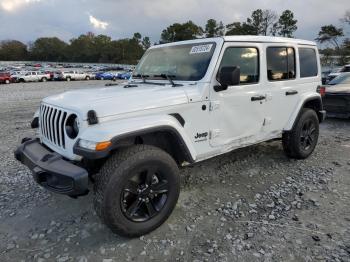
201,49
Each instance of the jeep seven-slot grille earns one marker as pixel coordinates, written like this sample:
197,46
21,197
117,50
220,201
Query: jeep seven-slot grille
52,124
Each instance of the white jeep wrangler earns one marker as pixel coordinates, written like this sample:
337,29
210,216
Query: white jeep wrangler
187,102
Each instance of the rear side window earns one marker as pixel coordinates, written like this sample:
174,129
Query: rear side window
308,62
280,63
247,58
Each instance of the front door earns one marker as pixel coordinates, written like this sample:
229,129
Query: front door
238,113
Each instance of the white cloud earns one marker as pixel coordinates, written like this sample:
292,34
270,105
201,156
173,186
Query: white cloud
12,5
98,23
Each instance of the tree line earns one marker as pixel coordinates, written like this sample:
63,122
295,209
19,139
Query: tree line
86,48
338,44
103,49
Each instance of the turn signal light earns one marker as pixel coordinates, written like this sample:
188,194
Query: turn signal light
103,145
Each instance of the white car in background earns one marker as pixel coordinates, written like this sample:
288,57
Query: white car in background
72,75
333,75
33,76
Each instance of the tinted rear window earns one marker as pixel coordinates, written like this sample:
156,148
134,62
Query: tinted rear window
280,63
308,62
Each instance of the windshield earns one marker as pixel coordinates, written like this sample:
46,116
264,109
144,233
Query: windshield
187,62
341,79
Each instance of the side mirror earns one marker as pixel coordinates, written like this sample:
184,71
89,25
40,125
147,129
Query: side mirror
228,76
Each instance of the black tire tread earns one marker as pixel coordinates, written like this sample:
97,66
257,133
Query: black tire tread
109,169
290,145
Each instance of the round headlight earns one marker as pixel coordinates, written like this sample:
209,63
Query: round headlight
72,126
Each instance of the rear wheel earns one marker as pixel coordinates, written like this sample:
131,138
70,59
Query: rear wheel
301,141
136,190
7,81
68,79
87,78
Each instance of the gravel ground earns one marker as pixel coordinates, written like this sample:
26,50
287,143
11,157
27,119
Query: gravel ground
253,204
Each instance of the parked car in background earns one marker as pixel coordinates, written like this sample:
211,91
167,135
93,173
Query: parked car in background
336,96
343,78
14,74
338,72
106,76
91,75
33,76
72,75
51,73
5,78
125,75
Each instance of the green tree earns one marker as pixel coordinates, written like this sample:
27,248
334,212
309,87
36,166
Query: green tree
146,42
286,25
179,32
255,21
137,36
13,50
48,49
238,28
214,29
330,34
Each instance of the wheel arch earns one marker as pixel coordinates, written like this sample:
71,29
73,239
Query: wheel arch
164,132
313,102
165,137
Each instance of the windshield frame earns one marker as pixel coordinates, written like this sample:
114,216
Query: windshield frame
217,45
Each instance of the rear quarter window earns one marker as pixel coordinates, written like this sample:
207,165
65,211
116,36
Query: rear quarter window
308,62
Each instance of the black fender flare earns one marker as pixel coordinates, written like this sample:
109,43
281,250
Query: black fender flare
117,143
317,107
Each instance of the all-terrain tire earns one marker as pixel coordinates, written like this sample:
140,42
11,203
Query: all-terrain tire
300,142
115,174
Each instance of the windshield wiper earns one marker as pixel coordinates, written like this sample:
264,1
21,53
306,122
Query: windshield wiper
169,78
143,77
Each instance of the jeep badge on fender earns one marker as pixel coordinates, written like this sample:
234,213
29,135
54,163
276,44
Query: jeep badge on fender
136,136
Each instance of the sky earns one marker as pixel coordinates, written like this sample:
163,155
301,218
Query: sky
26,20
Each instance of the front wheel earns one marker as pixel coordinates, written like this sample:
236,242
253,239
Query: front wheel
7,81
136,190
87,78
301,141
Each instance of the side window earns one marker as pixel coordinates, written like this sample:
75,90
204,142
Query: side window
308,62
247,59
280,63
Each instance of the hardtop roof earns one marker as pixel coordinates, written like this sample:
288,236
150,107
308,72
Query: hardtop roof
267,39
243,38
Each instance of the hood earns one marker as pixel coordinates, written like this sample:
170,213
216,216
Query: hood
338,89
114,100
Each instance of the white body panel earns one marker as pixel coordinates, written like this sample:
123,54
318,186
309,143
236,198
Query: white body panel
215,122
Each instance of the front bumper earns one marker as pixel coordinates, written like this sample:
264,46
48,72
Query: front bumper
51,171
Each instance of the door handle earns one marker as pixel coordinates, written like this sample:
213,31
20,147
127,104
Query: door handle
257,98
291,92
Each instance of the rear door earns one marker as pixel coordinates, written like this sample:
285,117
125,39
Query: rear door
282,78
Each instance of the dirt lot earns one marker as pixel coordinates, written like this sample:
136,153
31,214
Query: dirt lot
253,204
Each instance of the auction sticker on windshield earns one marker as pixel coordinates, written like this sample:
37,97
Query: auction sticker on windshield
201,49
